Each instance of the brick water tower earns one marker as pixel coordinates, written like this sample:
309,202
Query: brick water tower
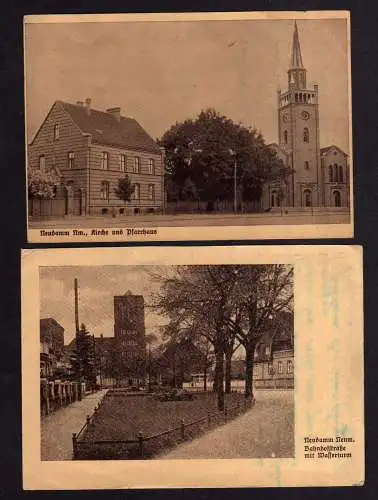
130,340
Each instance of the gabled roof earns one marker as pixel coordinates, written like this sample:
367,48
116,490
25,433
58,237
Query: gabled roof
107,130
326,149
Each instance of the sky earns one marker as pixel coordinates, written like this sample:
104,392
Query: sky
97,287
162,72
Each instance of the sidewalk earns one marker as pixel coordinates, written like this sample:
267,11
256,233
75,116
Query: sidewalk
265,431
57,428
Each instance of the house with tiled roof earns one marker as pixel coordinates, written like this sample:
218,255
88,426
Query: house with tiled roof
89,150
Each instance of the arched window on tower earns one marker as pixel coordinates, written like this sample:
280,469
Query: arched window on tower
335,173
306,135
330,170
285,136
341,174
306,165
337,198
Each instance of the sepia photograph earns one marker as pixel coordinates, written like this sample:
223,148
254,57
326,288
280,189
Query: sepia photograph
191,351
153,127
246,364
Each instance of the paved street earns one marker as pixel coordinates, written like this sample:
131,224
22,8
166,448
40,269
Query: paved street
193,220
57,428
265,431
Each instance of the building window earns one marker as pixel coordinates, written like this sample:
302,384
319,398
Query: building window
123,163
341,174
136,169
136,193
337,198
270,369
42,163
280,368
71,159
307,165
307,198
335,173
267,350
104,160
330,170
151,166
151,192
289,366
306,135
56,132
105,190
285,136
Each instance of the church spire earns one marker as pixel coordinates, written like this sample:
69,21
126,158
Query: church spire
296,56
297,72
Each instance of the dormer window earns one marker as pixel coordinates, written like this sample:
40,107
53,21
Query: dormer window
56,132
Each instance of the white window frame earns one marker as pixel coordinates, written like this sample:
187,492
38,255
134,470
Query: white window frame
71,159
105,192
151,192
289,366
42,163
137,163
151,166
104,160
123,163
56,132
136,192
279,367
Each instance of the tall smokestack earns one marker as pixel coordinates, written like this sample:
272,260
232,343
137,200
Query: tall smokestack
76,307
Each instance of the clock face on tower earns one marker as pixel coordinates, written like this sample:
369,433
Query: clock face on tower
305,115
285,118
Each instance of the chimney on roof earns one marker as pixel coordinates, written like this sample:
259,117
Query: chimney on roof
116,112
88,103
79,103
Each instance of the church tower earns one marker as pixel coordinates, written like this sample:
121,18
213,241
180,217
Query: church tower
298,132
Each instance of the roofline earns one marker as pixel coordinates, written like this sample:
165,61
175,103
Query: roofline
56,103
126,148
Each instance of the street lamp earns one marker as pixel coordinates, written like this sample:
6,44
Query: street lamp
233,153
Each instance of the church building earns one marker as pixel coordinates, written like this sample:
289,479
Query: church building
319,176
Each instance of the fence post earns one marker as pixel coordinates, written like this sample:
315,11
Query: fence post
182,428
74,445
140,442
208,418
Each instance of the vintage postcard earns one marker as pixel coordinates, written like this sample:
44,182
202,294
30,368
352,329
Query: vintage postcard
196,126
194,367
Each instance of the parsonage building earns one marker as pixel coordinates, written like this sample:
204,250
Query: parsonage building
88,151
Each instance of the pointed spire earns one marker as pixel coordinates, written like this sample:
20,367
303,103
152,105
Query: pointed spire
296,56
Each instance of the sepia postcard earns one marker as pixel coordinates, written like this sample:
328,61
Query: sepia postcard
188,126
192,367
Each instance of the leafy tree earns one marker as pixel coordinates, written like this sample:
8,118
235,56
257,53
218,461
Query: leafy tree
41,184
204,153
228,305
124,189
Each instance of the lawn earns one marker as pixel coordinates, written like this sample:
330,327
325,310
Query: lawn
122,418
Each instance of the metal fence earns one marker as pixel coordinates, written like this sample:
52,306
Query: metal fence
143,447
